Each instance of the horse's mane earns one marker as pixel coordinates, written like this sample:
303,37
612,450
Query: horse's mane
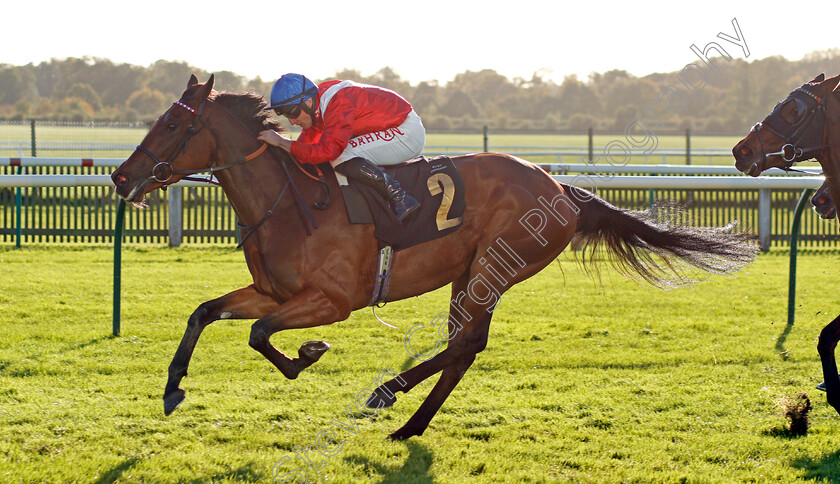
248,108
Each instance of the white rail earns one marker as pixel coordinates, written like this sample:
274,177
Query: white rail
607,169
591,182
564,168
39,161
692,182
71,181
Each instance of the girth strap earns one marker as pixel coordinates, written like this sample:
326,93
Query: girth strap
383,276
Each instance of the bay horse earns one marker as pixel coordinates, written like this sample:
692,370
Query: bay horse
303,278
804,125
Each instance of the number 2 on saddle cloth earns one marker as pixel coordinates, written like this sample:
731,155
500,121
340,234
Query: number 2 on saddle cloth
434,182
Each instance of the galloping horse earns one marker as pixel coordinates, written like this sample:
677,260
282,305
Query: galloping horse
804,125
517,220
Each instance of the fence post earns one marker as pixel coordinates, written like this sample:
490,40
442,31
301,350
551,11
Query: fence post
18,211
486,139
794,242
118,234
764,219
591,144
687,146
19,191
32,136
176,216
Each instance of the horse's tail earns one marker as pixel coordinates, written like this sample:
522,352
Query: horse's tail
655,244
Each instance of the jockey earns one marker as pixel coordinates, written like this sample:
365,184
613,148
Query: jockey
355,127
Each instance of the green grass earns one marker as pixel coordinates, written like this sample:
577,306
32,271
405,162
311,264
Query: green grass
581,382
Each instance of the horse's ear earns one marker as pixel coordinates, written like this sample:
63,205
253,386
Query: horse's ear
819,78
832,104
206,89
192,82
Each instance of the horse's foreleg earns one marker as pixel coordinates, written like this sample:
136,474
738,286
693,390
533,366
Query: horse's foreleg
245,303
305,310
464,347
419,422
829,337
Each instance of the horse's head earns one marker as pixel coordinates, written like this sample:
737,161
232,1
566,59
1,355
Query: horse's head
181,142
823,203
792,132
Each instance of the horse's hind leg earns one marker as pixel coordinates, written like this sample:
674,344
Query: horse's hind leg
245,303
829,337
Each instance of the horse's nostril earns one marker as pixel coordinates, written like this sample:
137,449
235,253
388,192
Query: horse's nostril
822,200
745,150
120,179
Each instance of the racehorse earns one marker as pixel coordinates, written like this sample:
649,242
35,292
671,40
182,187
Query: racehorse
517,220
805,125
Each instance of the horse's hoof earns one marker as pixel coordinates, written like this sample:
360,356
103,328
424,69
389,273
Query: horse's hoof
403,434
171,401
821,385
311,351
379,399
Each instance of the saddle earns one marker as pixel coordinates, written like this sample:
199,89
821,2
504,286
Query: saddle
434,182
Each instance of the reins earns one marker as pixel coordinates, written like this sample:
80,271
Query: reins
212,180
249,230
302,209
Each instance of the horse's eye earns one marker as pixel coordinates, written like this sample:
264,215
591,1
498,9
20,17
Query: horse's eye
171,127
799,109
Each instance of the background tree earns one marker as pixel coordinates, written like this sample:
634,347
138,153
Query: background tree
16,84
735,93
87,94
459,104
147,103
170,78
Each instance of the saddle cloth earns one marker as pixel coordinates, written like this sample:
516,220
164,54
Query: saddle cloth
434,182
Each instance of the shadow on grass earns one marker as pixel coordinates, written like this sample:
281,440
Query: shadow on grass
780,341
245,473
79,346
782,433
825,468
415,470
115,472
408,364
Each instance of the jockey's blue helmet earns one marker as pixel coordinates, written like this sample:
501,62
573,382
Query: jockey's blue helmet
291,90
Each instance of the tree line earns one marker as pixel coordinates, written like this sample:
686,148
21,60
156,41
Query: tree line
736,94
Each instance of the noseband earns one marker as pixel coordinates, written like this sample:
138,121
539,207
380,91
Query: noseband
801,137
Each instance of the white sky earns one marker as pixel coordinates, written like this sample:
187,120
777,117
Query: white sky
421,40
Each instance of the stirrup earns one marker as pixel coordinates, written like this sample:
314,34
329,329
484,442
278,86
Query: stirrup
405,207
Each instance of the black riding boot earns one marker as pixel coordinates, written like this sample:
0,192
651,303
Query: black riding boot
368,173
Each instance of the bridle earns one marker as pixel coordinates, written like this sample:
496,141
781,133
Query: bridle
162,171
166,167
802,139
